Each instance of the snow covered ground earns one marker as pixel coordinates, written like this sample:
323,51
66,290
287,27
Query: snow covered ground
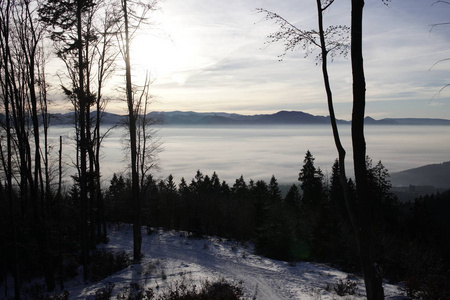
170,256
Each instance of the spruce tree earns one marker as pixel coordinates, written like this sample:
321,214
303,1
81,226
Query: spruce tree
275,193
293,198
311,179
313,207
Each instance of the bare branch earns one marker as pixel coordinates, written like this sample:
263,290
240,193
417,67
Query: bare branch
326,4
441,1
438,93
337,36
439,24
438,62
292,36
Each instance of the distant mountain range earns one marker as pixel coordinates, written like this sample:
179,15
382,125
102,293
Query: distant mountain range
279,118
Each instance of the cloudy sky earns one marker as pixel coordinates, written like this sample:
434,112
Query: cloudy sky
209,55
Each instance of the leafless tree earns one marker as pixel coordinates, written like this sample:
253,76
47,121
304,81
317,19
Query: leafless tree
83,32
7,155
148,144
66,20
134,14
333,41
364,203
24,101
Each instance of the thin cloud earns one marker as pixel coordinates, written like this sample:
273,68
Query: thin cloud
220,59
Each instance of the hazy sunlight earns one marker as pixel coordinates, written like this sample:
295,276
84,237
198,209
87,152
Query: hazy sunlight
167,56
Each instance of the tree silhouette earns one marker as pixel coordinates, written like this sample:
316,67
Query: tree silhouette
445,59
359,211
311,179
24,158
364,230
132,15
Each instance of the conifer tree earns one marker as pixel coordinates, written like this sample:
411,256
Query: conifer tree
336,193
275,193
311,179
171,186
313,206
293,197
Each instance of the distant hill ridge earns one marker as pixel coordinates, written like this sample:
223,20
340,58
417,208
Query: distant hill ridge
437,175
220,118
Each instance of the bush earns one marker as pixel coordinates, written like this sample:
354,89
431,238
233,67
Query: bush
219,290
37,292
427,287
223,290
135,292
105,292
64,295
104,263
151,230
343,288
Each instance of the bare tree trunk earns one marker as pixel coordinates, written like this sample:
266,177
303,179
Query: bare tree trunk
59,199
43,102
336,137
83,145
7,94
105,67
136,201
372,275
36,184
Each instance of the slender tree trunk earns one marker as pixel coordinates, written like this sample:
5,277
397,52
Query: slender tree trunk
83,144
337,140
90,150
36,183
372,275
7,94
137,234
59,199
101,224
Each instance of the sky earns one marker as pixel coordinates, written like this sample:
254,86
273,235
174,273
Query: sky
214,56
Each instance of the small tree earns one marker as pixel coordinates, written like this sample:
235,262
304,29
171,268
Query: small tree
311,179
313,206
275,193
293,197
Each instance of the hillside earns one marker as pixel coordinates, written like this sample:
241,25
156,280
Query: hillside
436,175
171,256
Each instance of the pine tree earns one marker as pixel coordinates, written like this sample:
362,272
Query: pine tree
311,182
171,186
336,193
293,198
275,193
314,217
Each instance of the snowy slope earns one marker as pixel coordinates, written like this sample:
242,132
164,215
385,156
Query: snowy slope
170,256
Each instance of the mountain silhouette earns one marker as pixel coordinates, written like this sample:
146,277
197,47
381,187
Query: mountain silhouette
221,118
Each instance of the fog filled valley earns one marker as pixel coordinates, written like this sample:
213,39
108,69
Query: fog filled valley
260,151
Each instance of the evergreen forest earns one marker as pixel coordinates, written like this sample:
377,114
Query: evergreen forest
308,223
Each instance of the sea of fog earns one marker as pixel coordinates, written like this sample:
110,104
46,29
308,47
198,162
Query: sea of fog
258,152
